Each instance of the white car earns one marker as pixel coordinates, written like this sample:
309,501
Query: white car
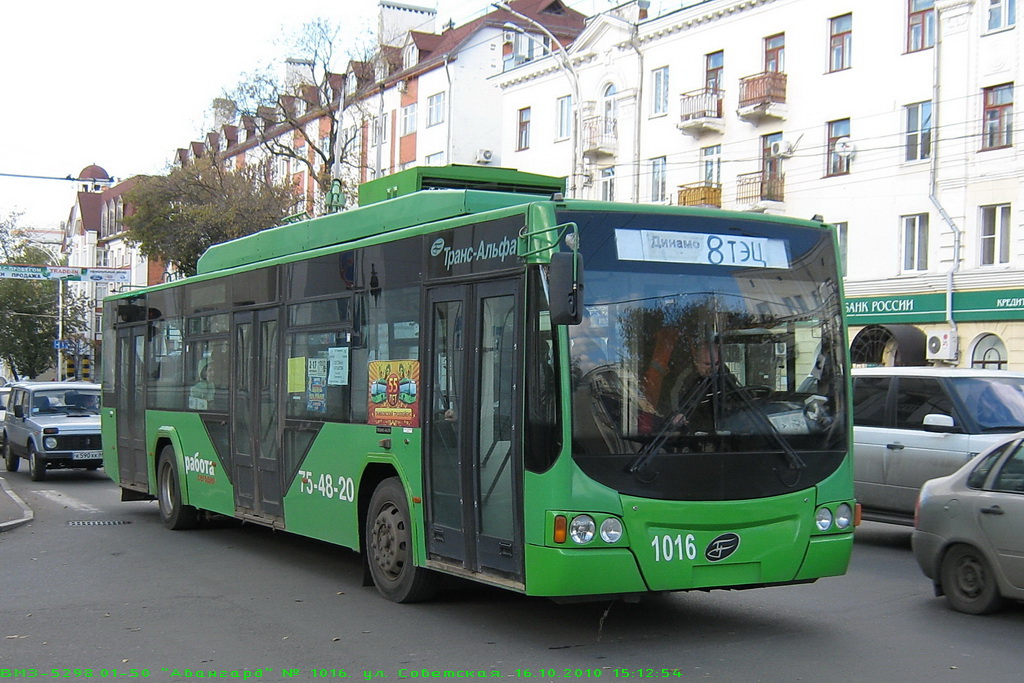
52,425
912,424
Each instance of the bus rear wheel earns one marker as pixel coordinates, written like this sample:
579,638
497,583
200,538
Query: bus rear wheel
389,547
173,513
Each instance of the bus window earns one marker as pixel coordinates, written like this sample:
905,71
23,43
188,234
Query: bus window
165,371
330,398
209,374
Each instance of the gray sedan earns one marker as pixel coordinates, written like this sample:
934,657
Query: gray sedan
969,530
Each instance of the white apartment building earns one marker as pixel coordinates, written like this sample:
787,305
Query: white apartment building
432,102
893,119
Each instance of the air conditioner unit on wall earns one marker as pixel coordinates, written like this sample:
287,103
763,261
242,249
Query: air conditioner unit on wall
941,345
484,156
781,148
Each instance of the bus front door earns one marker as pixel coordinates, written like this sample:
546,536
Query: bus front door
474,485
254,416
131,407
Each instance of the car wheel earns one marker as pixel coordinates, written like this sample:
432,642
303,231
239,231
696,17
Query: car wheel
36,464
11,461
173,513
968,581
389,547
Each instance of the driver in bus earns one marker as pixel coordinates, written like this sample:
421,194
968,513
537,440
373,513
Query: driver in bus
693,390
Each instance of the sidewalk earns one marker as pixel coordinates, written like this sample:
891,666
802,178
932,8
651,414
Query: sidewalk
13,511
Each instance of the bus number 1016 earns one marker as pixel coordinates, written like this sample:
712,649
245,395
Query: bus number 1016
668,548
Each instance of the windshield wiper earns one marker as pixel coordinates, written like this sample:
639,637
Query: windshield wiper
680,418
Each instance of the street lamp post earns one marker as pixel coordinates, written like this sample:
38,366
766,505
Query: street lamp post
567,68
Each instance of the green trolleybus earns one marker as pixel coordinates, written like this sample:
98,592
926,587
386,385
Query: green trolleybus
565,398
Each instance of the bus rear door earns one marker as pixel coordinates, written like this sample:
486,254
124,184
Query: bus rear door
131,407
254,415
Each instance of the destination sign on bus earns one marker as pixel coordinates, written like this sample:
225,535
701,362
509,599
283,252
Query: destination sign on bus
701,248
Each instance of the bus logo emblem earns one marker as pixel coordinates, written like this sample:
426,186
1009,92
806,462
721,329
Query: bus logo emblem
722,547
437,247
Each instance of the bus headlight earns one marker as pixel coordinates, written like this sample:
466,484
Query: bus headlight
844,516
582,528
50,443
823,519
611,530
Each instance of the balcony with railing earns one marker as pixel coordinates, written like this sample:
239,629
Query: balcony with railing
763,96
760,191
704,193
700,112
600,137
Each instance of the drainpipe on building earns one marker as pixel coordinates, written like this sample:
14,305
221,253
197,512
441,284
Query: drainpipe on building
449,107
634,32
933,170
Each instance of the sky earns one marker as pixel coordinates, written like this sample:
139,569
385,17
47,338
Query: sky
124,83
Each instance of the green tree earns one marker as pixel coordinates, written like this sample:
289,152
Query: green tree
175,217
28,308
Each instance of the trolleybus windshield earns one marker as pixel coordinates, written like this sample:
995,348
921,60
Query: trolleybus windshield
708,365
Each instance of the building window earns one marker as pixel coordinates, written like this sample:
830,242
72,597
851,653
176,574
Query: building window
435,109
920,25
523,135
658,169
379,131
711,161
1001,14
989,353
998,117
660,103
608,184
840,43
714,64
775,53
838,157
564,129
995,234
610,110
409,119
915,242
435,159
919,131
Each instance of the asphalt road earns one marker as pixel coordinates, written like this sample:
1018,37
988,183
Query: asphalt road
97,585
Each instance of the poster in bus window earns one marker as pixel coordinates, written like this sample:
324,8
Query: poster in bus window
316,379
394,395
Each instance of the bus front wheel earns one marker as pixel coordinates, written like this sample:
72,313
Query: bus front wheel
173,513
389,546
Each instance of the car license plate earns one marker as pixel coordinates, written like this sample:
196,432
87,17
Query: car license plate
87,455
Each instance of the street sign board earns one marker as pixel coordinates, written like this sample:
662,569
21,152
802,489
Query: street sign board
24,272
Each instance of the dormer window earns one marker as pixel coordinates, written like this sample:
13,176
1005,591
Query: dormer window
410,56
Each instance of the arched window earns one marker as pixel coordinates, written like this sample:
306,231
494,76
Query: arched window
610,108
989,353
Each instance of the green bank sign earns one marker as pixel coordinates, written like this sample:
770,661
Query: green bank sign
978,305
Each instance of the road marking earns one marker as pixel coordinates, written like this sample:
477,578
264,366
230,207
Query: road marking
67,501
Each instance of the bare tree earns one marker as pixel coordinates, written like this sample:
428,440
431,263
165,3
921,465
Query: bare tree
297,114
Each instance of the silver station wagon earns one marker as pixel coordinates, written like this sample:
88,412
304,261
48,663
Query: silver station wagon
913,424
52,425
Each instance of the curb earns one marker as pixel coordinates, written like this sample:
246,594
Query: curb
26,511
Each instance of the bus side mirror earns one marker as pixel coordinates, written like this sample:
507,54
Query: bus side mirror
565,281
